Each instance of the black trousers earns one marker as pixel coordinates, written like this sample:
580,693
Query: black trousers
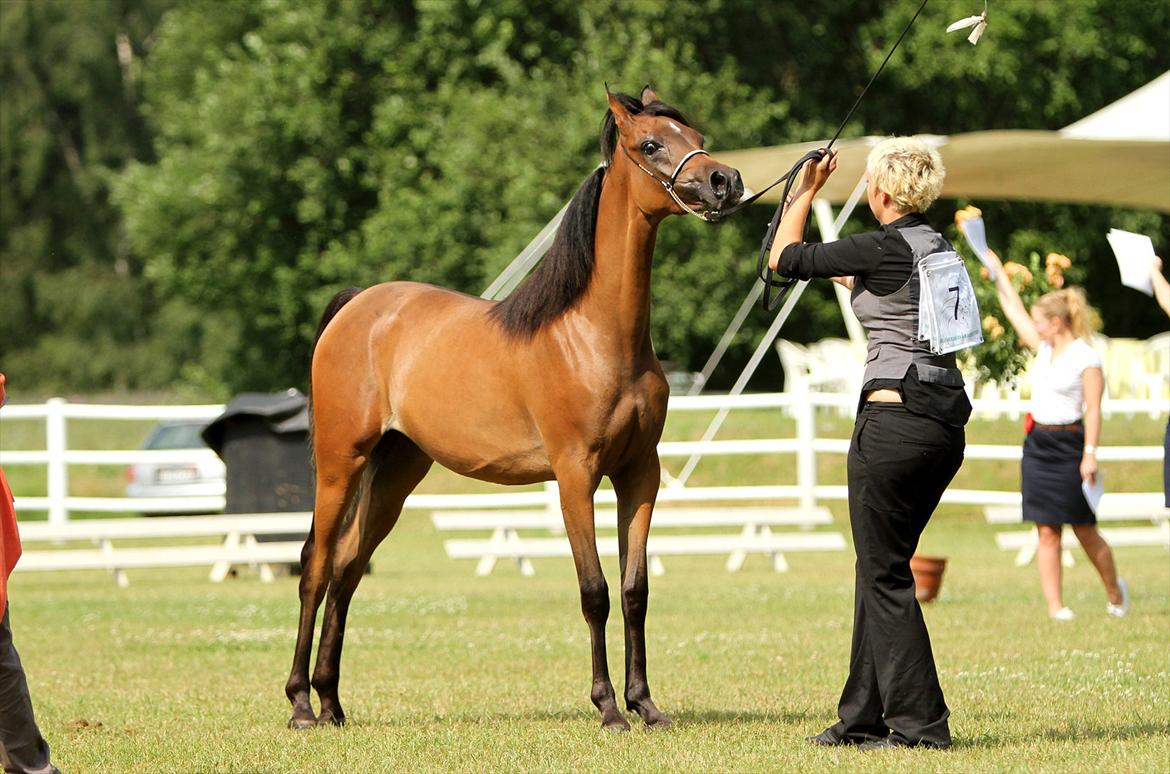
899,465
22,747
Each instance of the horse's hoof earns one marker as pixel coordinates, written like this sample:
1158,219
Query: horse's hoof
330,719
659,723
300,722
615,725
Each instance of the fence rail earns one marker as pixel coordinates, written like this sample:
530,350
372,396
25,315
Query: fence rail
57,458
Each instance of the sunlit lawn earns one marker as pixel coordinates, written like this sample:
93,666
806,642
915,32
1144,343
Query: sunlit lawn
444,671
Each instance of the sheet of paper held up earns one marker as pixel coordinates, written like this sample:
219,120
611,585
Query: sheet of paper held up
1135,259
976,235
1094,491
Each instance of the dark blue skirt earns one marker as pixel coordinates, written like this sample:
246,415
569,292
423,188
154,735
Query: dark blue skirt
1051,476
1166,465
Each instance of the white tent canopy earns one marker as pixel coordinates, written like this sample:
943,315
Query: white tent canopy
1142,115
1119,155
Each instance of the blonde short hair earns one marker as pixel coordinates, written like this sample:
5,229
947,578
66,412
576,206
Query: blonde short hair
907,169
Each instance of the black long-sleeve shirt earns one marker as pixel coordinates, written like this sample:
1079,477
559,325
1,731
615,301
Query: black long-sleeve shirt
881,259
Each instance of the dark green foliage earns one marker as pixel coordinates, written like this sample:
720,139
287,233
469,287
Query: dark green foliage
267,154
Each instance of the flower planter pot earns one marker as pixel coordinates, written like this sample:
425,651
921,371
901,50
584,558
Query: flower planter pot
928,572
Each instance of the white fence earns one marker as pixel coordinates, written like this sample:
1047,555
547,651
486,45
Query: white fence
805,444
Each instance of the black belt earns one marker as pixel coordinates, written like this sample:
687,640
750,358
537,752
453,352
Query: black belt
1072,426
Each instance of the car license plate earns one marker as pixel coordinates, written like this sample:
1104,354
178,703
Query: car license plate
175,475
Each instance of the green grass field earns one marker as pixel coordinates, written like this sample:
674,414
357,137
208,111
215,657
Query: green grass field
444,671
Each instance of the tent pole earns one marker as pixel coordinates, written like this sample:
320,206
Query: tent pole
757,356
523,263
830,232
732,328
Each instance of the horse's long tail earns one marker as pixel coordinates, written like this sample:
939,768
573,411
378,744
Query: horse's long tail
331,309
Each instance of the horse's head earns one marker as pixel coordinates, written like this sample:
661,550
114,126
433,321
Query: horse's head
676,175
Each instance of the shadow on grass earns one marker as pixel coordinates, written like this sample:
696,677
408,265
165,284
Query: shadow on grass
700,717
680,718
1095,733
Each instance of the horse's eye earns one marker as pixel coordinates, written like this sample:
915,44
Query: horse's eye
649,147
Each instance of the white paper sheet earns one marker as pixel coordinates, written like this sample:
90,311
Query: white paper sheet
976,235
1094,491
1135,259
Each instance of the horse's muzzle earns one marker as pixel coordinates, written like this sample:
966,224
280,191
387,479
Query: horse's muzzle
720,187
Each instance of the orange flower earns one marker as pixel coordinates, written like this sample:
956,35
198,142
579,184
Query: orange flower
1056,259
1014,270
992,326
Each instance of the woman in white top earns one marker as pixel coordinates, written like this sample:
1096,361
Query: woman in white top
1060,450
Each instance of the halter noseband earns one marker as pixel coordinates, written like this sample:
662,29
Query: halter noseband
669,184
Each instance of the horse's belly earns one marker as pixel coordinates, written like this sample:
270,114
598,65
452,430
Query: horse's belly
525,469
486,448
515,467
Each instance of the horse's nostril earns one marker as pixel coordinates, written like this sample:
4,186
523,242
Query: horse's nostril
719,183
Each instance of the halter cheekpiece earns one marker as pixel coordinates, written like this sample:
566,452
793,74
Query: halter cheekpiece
669,184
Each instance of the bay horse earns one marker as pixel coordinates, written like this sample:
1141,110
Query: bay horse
559,380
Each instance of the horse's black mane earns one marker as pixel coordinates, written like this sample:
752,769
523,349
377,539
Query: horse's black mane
560,279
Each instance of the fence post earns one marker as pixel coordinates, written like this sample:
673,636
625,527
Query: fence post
56,443
806,455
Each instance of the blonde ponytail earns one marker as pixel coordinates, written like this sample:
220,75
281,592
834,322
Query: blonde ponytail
1071,306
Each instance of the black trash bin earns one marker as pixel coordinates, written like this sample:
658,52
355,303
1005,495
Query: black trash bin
263,441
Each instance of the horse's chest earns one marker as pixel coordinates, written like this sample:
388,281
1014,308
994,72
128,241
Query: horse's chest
638,415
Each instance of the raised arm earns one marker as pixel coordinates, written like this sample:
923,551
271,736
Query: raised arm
1013,307
796,208
1161,286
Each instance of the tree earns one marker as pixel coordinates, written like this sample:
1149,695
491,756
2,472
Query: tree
73,309
263,155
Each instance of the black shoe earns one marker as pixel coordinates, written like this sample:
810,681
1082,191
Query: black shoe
830,738
893,740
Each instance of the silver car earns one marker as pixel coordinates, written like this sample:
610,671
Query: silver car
203,476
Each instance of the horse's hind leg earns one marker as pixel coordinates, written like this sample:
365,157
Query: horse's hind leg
636,491
337,479
396,467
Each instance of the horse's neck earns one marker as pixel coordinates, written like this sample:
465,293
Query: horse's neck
618,299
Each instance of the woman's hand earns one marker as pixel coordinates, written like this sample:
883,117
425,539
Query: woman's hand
796,207
1089,467
993,258
816,174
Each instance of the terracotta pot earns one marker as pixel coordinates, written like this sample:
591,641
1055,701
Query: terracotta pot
928,572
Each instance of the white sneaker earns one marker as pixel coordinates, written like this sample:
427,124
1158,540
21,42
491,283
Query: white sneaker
1119,611
1064,614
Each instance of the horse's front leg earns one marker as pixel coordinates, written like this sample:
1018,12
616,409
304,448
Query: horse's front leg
577,487
636,490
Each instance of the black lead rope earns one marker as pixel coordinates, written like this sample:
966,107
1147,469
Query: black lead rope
763,271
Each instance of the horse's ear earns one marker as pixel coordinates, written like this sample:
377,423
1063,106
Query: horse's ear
620,115
648,95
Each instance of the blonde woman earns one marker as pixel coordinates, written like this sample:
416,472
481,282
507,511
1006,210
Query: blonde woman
907,443
1060,450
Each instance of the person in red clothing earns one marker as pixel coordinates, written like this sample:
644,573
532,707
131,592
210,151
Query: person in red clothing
22,748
